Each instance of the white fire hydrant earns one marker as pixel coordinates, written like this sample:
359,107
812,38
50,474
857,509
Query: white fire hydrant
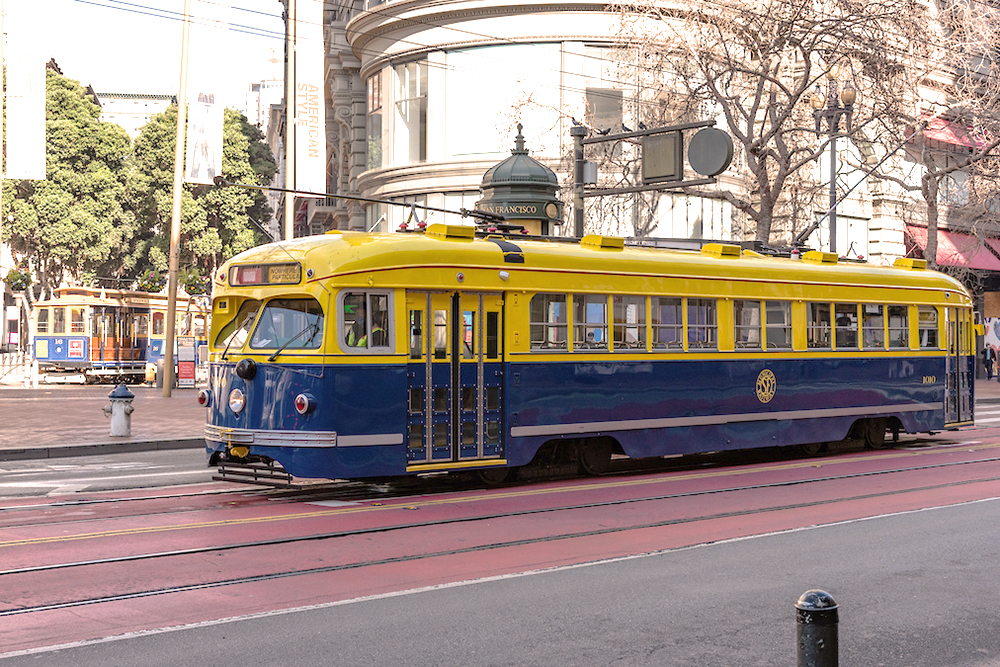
120,410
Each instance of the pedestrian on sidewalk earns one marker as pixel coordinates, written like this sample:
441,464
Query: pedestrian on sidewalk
989,358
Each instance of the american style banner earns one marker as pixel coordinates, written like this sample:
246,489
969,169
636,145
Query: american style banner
207,41
310,98
25,136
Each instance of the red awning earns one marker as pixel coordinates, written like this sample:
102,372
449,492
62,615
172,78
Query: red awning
956,249
952,133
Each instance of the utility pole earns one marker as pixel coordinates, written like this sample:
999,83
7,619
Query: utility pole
175,216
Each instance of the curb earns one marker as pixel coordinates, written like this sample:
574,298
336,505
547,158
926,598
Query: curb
99,448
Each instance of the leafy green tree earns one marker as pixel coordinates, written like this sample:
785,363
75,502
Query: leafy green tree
215,222
74,225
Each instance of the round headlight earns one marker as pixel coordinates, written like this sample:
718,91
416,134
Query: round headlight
237,401
246,369
204,398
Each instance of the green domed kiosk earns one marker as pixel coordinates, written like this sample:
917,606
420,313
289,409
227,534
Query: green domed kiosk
523,191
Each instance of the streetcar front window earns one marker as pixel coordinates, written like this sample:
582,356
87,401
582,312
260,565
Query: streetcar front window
234,334
294,324
42,322
58,320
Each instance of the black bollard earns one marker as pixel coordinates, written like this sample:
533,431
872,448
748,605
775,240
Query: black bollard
816,622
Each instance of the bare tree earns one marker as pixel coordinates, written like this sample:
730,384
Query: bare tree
755,67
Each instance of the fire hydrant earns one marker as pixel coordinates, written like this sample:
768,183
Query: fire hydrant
120,410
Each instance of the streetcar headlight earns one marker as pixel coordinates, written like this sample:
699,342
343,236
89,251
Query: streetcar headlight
237,401
204,398
305,403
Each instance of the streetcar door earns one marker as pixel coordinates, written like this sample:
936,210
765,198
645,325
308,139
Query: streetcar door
454,377
958,379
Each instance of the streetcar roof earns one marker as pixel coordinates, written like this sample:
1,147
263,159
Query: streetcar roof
533,264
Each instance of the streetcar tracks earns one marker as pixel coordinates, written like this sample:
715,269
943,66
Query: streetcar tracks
477,548
482,547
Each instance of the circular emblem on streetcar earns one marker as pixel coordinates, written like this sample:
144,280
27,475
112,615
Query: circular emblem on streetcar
766,384
551,210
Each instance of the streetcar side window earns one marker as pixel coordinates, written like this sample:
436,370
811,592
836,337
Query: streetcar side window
667,314
292,324
873,326
42,321
702,323
416,334
846,325
58,320
630,322
899,326
141,325
590,322
746,315
818,329
778,316
547,322
76,321
927,327
492,335
366,323
159,327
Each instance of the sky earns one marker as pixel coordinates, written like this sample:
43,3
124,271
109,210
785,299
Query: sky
135,46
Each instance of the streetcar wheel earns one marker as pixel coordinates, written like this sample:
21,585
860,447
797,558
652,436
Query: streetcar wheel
875,434
812,449
492,476
595,455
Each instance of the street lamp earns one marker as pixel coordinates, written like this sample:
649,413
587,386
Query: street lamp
829,108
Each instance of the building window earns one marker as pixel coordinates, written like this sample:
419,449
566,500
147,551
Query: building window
630,322
590,322
746,315
375,121
818,328
411,112
668,323
927,326
778,315
702,324
899,327
547,321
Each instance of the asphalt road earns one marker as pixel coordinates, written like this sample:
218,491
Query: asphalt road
62,476
915,589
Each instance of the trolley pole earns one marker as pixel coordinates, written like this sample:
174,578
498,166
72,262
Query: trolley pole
578,132
816,623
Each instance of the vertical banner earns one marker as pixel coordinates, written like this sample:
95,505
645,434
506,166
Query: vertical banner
25,136
310,98
209,33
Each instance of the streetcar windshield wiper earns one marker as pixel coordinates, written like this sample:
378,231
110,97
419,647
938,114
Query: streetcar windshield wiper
315,330
236,333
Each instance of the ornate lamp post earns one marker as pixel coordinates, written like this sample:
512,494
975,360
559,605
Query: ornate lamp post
829,108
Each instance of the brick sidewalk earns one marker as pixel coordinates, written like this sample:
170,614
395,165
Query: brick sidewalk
57,420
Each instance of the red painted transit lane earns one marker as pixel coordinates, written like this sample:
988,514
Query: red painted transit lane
399,560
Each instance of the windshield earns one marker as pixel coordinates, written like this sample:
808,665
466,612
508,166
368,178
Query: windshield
236,330
284,322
